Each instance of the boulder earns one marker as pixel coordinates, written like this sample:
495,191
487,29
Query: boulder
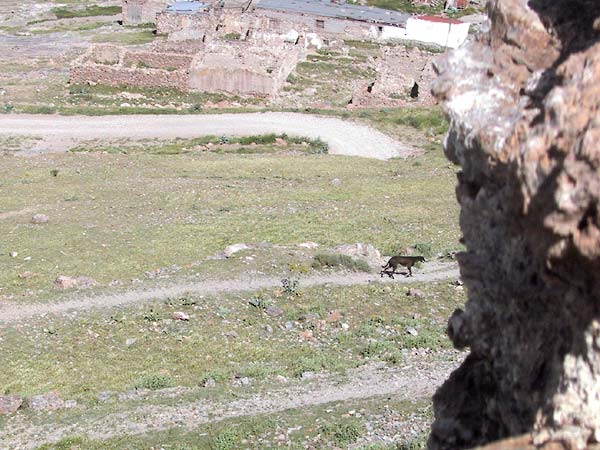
10,403
66,282
230,250
46,402
523,99
365,251
40,219
180,315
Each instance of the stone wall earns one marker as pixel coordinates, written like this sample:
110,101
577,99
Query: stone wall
154,60
114,66
141,11
120,76
243,68
523,101
398,69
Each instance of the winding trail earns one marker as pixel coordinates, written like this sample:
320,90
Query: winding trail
14,312
416,378
59,133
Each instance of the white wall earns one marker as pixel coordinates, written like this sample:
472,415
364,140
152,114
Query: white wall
445,34
389,32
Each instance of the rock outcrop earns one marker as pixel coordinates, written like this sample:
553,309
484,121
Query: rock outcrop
524,102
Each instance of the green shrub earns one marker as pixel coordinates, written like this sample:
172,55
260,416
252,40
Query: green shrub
153,382
232,36
341,433
336,260
430,119
90,11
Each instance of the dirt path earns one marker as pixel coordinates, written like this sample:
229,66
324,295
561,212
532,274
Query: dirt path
11,312
344,138
415,379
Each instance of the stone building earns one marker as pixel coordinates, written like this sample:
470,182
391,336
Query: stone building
141,11
243,68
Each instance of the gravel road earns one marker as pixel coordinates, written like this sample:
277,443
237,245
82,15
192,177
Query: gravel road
58,133
14,312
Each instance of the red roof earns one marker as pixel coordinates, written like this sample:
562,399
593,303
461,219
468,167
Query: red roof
438,19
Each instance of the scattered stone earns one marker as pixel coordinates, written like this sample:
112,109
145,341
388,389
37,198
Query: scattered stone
334,316
345,327
281,379
308,375
230,250
13,254
86,282
273,311
65,282
70,404
308,245
104,396
232,334
40,219
241,381
131,394
289,325
268,329
129,342
336,182
10,403
209,383
359,250
26,275
412,331
180,315
46,402
413,292
280,142
309,318
306,335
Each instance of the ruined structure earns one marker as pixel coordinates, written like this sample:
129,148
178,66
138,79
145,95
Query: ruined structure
523,102
250,47
136,12
393,87
236,67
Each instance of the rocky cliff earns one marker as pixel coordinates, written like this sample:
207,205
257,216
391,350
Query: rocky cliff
524,101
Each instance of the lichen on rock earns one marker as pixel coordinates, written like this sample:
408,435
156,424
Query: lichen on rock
524,101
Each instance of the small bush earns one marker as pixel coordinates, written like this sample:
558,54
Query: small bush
260,139
232,36
431,120
151,316
90,11
290,287
424,249
259,302
341,433
153,382
336,260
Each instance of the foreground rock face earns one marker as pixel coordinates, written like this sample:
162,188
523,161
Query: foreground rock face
525,129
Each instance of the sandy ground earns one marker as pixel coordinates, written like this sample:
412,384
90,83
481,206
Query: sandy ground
13,312
58,133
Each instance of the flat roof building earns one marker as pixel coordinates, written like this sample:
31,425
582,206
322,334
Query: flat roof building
343,11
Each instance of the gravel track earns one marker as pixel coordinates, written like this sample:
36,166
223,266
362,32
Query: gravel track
417,378
12,312
58,133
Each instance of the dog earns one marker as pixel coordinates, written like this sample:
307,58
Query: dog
395,261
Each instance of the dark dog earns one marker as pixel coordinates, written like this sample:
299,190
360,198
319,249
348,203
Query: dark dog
395,261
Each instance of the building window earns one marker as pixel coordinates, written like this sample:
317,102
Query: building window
320,23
